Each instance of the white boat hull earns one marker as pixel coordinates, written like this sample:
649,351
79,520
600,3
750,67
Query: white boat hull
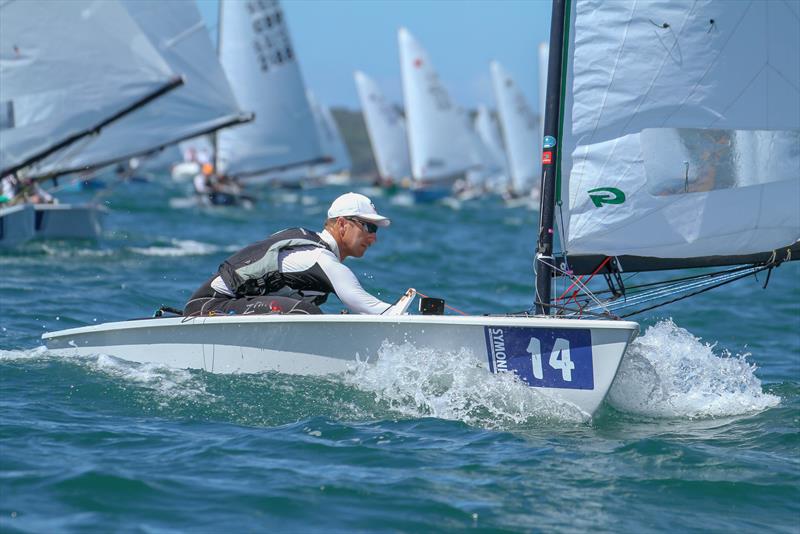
17,225
322,344
185,171
69,221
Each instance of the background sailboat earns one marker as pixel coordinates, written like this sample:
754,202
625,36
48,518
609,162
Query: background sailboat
439,135
203,104
496,167
69,69
259,60
333,145
386,129
521,133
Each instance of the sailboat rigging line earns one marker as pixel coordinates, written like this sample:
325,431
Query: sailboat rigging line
446,305
585,289
671,289
717,280
686,278
172,83
580,311
169,43
732,279
284,167
580,278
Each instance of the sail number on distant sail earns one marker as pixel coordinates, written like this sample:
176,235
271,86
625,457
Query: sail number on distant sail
556,358
271,40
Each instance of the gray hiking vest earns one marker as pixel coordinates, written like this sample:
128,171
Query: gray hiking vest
254,270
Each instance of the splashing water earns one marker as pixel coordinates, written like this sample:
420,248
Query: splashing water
454,385
668,372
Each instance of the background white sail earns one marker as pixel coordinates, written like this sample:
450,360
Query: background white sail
66,67
438,134
386,129
203,104
681,133
521,131
331,140
489,133
260,62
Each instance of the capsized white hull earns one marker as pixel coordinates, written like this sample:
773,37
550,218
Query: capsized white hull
69,221
17,225
574,360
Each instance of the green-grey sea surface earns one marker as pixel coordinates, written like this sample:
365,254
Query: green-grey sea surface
699,433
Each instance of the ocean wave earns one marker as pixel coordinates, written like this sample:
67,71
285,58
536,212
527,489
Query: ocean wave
181,247
162,383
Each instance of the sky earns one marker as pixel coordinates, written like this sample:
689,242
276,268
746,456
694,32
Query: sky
333,38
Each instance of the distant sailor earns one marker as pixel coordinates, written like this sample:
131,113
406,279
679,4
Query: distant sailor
203,184
294,270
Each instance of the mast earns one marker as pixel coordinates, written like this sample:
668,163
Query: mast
550,159
215,136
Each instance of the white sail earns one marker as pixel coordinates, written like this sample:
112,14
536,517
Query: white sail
261,64
330,139
66,68
438,132
521,129
487,129
386,128
203,104
681,134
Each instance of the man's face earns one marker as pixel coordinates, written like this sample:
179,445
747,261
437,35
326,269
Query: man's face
356,238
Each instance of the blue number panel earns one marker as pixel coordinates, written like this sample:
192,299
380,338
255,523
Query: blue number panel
545,357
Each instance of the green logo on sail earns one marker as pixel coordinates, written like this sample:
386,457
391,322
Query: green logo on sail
606,195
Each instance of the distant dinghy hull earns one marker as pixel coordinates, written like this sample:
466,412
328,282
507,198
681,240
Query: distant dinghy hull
17,225
574,361
69,221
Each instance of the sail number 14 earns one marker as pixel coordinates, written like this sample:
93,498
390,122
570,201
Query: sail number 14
556,358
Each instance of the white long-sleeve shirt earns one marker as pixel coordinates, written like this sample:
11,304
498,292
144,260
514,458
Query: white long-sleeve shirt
344,282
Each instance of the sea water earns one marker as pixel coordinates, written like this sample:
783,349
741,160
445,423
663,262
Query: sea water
699,431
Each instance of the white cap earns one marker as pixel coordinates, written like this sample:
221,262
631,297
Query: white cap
356,205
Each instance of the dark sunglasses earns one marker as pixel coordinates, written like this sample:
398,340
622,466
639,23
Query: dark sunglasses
369,227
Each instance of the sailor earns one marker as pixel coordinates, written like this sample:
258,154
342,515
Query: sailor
16,190
9,187
294,270
203,184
